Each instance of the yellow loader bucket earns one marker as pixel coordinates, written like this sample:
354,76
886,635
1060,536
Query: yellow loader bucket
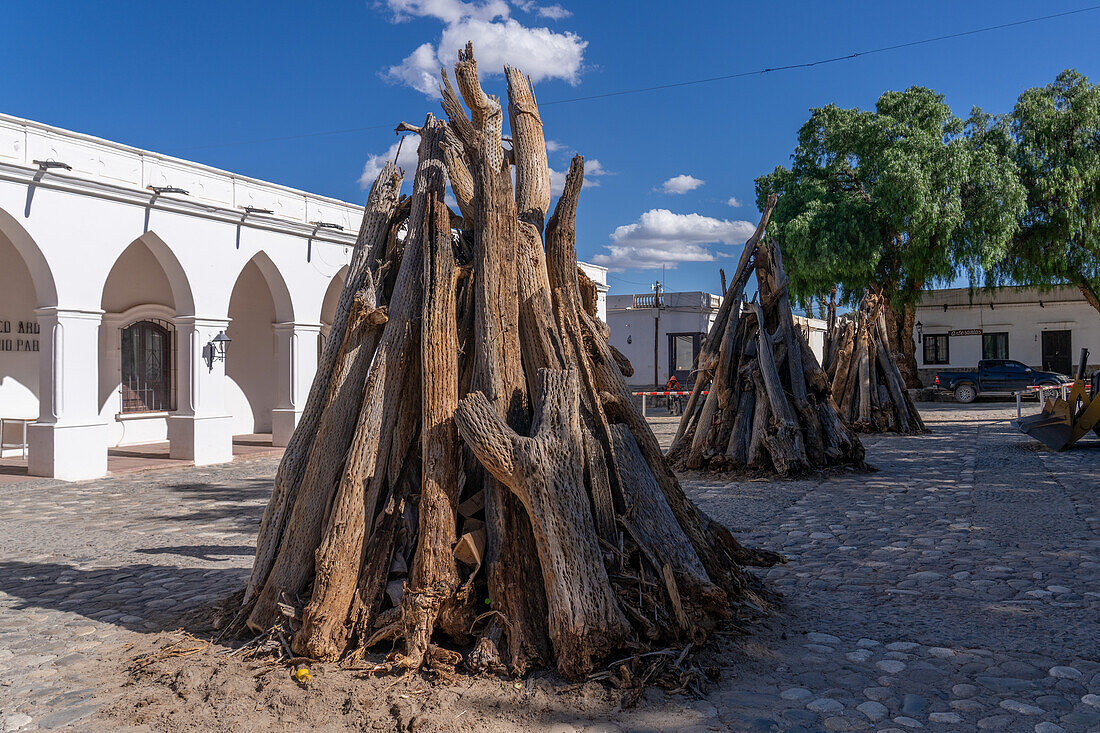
1063,422
1053,427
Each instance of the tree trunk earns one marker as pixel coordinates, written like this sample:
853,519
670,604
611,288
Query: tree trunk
510,557
1091,296
325,621
899,325
293,567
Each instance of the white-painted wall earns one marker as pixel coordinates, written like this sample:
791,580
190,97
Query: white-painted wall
251,392
632,328
97,250
598,275
1015,311
18,365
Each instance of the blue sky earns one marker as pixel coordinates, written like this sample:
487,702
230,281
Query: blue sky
216,81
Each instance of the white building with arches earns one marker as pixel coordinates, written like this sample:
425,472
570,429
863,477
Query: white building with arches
118,267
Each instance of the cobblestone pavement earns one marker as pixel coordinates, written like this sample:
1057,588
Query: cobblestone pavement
84,566
956,589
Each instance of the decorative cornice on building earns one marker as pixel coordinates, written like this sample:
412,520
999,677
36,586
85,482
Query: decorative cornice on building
1006,296
690,301
127,174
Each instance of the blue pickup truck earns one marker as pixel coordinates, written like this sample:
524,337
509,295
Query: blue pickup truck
994,376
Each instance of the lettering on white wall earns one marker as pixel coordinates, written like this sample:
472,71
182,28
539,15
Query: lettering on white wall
18,335
965,332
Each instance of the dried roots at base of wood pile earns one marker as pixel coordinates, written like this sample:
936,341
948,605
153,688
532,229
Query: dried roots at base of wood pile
469,482
865,382
761,402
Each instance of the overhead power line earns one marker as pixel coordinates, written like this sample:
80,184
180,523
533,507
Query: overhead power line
291,137
629,282
821,62
706,80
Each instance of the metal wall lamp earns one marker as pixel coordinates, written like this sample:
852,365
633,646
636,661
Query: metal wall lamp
256,210
216,350
326,225
158,190
45,165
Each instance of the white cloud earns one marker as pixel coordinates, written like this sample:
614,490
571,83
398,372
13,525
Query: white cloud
592,171
419,70
498,40
734,202
651,258
660,237
553,12
448,11
681,184
553,146
406,160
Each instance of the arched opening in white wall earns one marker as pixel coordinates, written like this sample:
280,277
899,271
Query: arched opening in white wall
257,360
145,291
28,284
328,305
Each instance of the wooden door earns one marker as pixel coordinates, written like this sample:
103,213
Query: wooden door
1056,352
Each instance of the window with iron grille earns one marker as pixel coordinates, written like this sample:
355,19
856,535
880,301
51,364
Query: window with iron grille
148,366
936,348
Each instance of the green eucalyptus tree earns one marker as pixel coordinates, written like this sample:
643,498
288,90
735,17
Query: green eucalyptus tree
891,201
1053,136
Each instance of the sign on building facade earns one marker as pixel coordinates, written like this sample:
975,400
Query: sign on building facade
18,336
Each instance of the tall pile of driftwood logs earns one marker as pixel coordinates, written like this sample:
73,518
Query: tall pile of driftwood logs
469,482
768,405
867,385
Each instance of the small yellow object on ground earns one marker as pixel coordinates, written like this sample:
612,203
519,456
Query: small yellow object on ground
303,676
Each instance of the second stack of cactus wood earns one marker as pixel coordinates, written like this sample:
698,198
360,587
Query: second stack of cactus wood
761,402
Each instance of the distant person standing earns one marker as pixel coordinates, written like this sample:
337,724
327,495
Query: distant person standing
675,402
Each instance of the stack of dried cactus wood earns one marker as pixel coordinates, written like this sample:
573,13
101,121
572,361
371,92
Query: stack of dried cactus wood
469,482
867,385
767,406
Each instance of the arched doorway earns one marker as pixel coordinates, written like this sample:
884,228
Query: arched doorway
328,305
139,375
28,285
257,365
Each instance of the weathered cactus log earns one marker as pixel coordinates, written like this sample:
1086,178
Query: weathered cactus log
471,473
761,401
866,384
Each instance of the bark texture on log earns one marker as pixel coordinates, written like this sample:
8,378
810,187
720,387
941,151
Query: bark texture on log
376,226
544,472
434,579
326,625
293,566
430,498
